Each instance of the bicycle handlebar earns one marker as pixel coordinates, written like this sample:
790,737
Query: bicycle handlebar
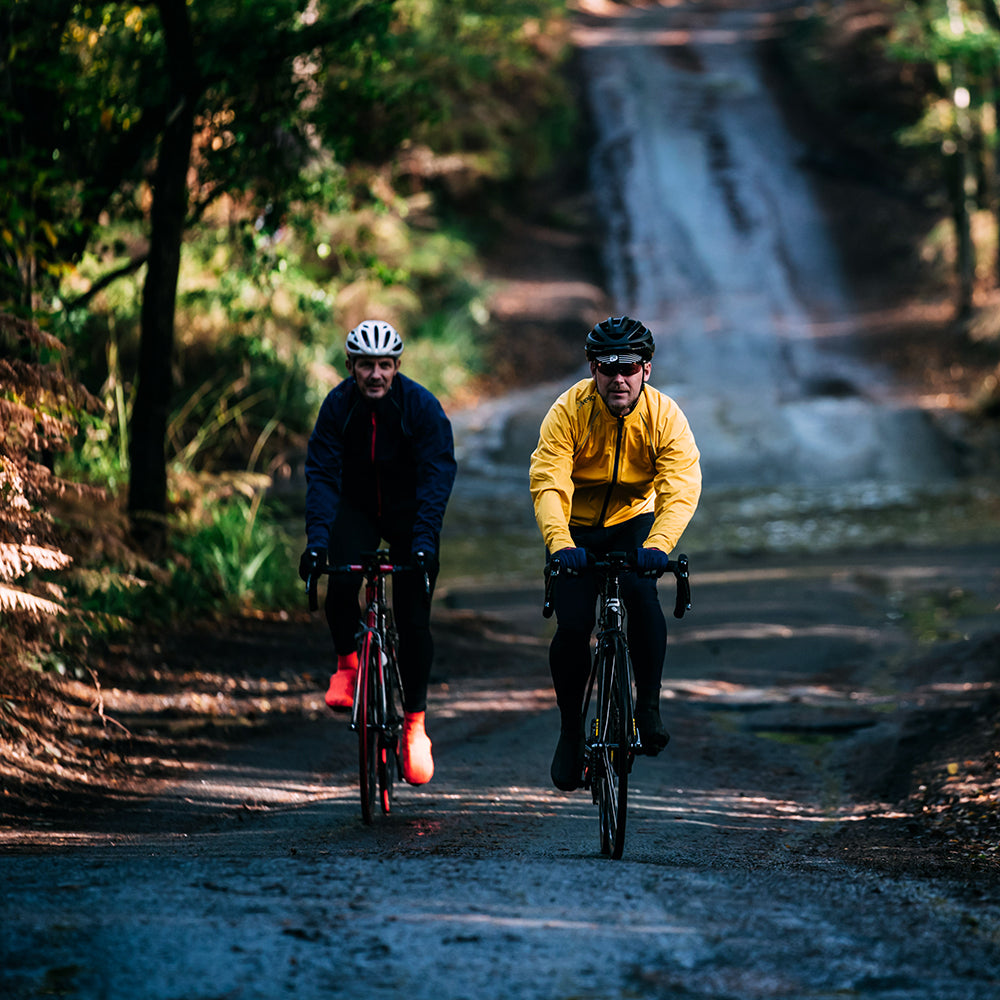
375,563
616,562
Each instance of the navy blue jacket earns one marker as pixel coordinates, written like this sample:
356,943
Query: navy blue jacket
394,457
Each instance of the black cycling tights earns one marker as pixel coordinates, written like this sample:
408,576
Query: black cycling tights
353,532
575,602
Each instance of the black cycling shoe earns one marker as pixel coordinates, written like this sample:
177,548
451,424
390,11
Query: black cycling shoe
567,762
652,735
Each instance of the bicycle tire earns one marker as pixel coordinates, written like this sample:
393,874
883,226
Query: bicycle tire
613,749
368,663
388,762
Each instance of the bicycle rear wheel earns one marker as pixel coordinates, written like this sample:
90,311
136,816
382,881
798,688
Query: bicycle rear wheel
368,750
612,748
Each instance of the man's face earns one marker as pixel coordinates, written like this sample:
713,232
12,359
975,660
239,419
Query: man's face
374,375
617,387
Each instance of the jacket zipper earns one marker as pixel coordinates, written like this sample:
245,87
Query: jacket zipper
378,482
614,473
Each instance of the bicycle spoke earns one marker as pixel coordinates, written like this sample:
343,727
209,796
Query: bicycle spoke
367,731
386,764
623,753
376,714
612,740
389,736
612,748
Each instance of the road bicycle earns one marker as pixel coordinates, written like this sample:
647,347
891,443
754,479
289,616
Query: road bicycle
377,714
612,739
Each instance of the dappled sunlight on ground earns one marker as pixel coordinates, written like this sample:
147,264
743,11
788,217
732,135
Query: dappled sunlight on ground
737,809
493,699
726,694
513,918
774,630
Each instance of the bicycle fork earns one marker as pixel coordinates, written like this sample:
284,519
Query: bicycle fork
388,725
600,746
362,678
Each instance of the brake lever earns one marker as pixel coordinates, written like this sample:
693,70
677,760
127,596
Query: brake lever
551,572
683,602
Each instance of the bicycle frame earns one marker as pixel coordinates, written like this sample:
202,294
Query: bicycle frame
611,740
376,713
611,737
611,623
379,629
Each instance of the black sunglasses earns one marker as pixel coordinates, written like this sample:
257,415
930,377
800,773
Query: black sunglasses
612,368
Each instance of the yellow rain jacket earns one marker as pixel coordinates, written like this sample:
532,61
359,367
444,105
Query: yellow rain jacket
594,469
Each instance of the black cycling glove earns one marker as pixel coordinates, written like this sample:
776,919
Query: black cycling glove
651,562
573,561
426,561
312,563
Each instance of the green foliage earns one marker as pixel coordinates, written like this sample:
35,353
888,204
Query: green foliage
236,557
937,616
40,541
447,349
477,81
261,324
953,33
958,43
85,95
99,454
918,86
457,77
248,394
75,134
226,557
327,145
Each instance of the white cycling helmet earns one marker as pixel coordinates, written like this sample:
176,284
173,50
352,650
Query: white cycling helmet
375,339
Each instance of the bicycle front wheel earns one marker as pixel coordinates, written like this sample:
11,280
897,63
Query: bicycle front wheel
388,762
367,725
612,749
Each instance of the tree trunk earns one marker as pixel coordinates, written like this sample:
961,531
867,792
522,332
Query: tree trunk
147,502
965,263
992,11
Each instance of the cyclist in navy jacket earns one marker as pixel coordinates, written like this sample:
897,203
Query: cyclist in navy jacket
380,465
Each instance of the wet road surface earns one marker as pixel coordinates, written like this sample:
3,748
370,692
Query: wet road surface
788,691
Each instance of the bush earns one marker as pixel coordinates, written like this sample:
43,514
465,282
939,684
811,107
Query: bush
236,557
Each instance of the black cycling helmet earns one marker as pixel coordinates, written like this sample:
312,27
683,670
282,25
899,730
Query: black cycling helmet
620,335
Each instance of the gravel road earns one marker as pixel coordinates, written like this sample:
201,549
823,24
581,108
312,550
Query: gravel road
762,858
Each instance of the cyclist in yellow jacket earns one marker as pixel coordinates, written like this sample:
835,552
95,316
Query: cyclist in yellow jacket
616,469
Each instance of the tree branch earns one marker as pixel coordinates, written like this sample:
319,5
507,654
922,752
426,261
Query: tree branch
81,301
